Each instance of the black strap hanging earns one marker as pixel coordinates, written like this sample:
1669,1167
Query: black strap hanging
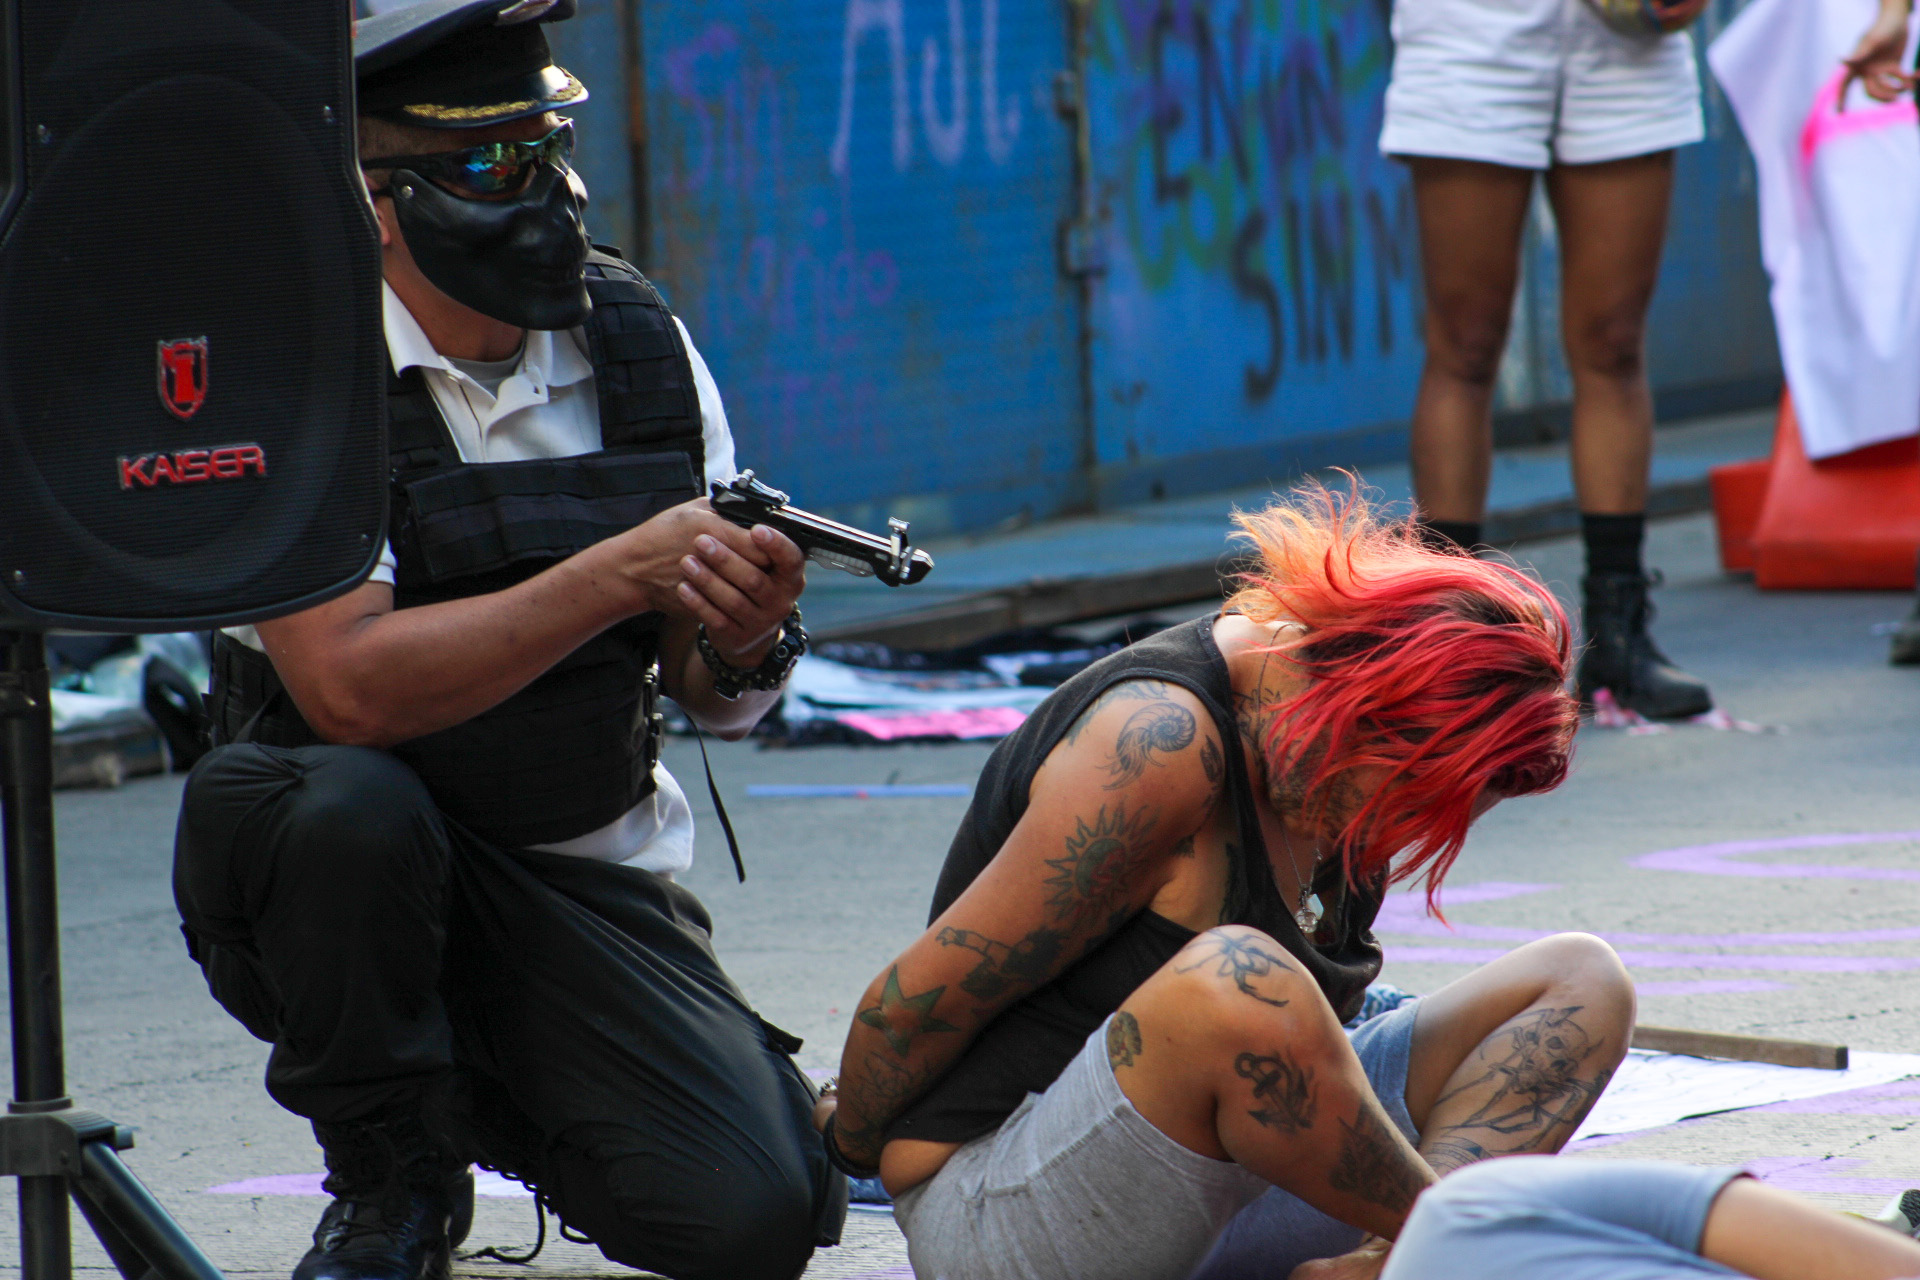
713,790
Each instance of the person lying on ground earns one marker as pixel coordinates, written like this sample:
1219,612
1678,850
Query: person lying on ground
1123,1026
1538,1219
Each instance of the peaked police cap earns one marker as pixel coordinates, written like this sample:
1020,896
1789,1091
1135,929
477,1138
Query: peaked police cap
462,64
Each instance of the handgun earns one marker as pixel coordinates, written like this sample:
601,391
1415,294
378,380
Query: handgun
746,501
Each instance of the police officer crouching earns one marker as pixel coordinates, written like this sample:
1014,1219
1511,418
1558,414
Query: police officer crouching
432,864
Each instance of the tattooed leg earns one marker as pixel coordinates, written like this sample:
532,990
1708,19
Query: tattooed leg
1510,1059
1231,1051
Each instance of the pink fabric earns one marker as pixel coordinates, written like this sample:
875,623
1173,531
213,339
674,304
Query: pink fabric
977,722
1826,121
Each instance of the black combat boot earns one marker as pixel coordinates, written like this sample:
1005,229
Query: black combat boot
395,1194
1621,657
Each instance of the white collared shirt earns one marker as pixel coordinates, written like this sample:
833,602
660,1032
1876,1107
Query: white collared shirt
547,408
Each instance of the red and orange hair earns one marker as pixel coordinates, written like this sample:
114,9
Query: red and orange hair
1446,671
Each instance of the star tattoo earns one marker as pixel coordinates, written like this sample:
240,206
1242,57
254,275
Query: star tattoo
902,1018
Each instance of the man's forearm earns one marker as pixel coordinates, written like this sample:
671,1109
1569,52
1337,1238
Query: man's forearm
391,675
728,718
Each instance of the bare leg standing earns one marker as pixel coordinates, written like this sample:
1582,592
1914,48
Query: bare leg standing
1613,221
1471,218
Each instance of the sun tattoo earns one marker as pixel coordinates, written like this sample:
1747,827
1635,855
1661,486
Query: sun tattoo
1091,871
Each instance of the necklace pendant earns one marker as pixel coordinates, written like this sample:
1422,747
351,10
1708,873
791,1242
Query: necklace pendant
1307,916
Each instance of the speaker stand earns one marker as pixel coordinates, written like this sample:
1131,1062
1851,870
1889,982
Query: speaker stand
55,1149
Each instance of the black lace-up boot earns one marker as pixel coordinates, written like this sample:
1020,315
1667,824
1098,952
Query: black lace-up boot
1621,657
395,1194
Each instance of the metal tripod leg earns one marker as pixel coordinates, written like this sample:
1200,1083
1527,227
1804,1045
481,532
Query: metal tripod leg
109,1187
50,1146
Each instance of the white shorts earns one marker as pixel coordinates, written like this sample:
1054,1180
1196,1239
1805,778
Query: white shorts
1532,83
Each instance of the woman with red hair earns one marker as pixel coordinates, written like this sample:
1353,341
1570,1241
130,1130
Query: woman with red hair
1121,1032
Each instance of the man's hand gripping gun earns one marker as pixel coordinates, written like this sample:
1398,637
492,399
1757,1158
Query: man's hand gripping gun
747,502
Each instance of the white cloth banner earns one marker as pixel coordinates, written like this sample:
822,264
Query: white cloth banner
1839,218
1654,1089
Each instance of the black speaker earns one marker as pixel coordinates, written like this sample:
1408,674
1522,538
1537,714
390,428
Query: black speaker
192,368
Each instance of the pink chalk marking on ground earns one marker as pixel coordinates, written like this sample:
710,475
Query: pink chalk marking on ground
1729,986
974,722
279,1184
1827,123
1719,859
1680,960
485,1182
1405,915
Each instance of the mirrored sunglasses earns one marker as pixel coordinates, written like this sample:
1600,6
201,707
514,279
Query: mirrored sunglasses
490,169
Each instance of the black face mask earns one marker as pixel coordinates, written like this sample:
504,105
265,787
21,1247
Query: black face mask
521,260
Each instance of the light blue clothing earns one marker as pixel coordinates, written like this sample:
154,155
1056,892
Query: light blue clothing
1551,1218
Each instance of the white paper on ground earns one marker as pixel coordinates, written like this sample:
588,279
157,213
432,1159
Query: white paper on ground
1654,1089
821,687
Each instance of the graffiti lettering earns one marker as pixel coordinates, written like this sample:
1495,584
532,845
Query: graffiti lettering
1249,128
864,16
947,139
1002,120
946,136
1255,285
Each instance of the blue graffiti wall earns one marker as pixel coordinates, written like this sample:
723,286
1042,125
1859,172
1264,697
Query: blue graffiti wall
1259,298
920,296
854,209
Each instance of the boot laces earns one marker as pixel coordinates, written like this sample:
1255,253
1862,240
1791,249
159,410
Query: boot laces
367,1168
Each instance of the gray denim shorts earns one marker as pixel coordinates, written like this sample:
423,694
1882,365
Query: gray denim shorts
1076,1185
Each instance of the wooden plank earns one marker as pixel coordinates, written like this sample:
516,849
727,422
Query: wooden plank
1713,1044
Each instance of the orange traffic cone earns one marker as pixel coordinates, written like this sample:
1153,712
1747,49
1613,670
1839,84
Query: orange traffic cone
1850,523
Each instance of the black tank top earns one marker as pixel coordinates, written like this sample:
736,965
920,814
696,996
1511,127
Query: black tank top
1027,1047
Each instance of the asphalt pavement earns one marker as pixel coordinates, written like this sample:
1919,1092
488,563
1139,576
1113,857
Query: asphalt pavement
1806,939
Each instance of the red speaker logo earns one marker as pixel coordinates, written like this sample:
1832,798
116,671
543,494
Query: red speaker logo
183,376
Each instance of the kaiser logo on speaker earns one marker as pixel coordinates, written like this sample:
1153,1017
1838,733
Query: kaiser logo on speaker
183,375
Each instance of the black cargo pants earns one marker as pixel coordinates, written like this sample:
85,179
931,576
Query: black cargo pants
572,1010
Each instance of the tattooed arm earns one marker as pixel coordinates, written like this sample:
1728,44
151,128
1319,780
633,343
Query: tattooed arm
1110,815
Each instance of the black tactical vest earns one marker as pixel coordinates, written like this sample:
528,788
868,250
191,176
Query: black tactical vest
575,749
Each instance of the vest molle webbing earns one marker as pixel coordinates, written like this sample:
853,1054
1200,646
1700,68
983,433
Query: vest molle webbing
575,749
